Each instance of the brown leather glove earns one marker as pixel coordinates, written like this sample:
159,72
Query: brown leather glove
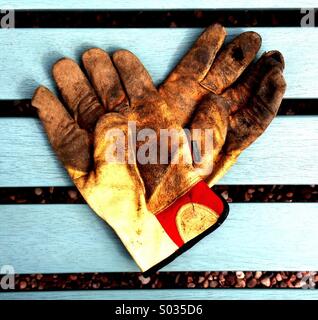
115,191
163,183
242,98
220,89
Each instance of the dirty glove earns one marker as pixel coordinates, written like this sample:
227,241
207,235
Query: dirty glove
152,234
214,87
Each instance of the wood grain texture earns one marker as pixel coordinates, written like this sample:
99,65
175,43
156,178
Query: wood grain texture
177,294
285,154
159,4
30,53
71,238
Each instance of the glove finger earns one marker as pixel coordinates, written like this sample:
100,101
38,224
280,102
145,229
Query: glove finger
208,132
232,61
249,122
104,78
182,89
135,78
70,142
77,93
197,62
257,107
240,93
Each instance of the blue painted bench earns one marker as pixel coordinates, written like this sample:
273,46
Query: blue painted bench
70,238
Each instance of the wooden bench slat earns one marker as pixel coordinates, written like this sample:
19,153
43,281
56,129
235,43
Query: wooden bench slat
71,238
163,294
161,4
29,53
285,154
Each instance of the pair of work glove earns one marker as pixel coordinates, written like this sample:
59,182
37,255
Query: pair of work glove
160,206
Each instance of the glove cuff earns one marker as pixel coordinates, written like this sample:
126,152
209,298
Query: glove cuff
190,218
154,240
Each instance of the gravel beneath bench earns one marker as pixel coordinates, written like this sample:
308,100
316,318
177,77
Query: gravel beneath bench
167,280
